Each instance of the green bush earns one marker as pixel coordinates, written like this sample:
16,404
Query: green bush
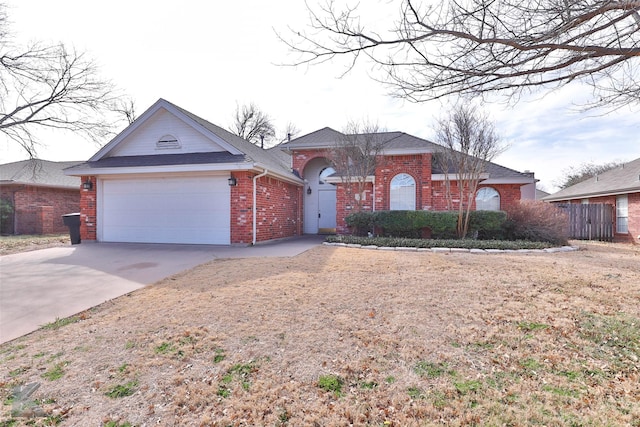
417,224
6,213
487,224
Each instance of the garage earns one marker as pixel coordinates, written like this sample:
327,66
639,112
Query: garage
185,209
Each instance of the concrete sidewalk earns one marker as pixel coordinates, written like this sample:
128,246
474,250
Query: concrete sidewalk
39,287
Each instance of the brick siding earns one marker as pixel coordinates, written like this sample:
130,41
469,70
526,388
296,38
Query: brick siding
88,210
39,210
279,209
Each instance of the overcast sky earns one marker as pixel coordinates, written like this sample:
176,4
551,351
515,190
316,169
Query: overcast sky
209,56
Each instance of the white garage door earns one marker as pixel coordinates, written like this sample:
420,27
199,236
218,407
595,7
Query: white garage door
166,210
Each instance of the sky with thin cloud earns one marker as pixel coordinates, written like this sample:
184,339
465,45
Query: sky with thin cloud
210,56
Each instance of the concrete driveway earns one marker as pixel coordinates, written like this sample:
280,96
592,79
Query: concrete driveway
38,287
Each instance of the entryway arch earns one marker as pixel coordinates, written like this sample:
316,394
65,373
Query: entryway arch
319,198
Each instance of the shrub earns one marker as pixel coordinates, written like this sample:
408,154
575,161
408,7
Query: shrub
6,214
487,224
361,223
413,224
537,221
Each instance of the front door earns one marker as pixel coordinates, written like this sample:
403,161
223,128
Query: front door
326,211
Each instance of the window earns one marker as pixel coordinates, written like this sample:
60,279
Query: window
622,214
325,173
487,199
403,193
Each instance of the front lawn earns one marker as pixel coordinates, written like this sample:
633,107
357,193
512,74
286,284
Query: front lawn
339,336
26,242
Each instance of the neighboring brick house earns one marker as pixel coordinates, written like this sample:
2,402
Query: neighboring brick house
619,187
172,177
40,194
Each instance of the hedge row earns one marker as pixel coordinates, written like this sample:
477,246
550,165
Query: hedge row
440,243
421,224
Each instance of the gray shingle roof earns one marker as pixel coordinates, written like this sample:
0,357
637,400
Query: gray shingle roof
621,180
327,138
39,172
164,160
494,170
322,138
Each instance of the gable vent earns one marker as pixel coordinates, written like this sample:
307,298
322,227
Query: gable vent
167,142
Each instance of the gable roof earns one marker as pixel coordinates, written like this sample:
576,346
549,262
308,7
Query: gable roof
38,172
240,154
620,180
394,142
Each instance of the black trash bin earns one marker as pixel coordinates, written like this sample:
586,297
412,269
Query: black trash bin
72,221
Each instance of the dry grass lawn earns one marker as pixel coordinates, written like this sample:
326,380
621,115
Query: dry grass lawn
341,336
25,242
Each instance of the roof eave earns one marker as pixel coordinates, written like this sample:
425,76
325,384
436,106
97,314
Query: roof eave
207,167
35,184
604,193
258,167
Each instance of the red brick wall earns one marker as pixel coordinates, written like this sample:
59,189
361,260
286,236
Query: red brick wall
509,195
279,209
416,165
347,204
300,159
634,217
429,195
39,210
88,209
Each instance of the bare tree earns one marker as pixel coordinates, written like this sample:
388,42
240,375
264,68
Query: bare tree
127,109
253,124
290,132
470,47
50,87
469,142
355,157
576,174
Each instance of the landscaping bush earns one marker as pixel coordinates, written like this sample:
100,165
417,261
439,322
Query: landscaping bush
361,223
487,224
537,221
408,224
438,243
415,224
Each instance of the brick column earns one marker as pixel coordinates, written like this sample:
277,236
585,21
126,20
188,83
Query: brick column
88,205
45,220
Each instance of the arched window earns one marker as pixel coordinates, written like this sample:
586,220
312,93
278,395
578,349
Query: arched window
324,173
487,199
403,193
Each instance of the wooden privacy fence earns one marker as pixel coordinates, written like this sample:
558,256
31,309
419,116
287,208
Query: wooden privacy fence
590,221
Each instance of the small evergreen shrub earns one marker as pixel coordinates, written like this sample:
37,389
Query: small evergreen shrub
487,224
438,243
537,221
434,224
